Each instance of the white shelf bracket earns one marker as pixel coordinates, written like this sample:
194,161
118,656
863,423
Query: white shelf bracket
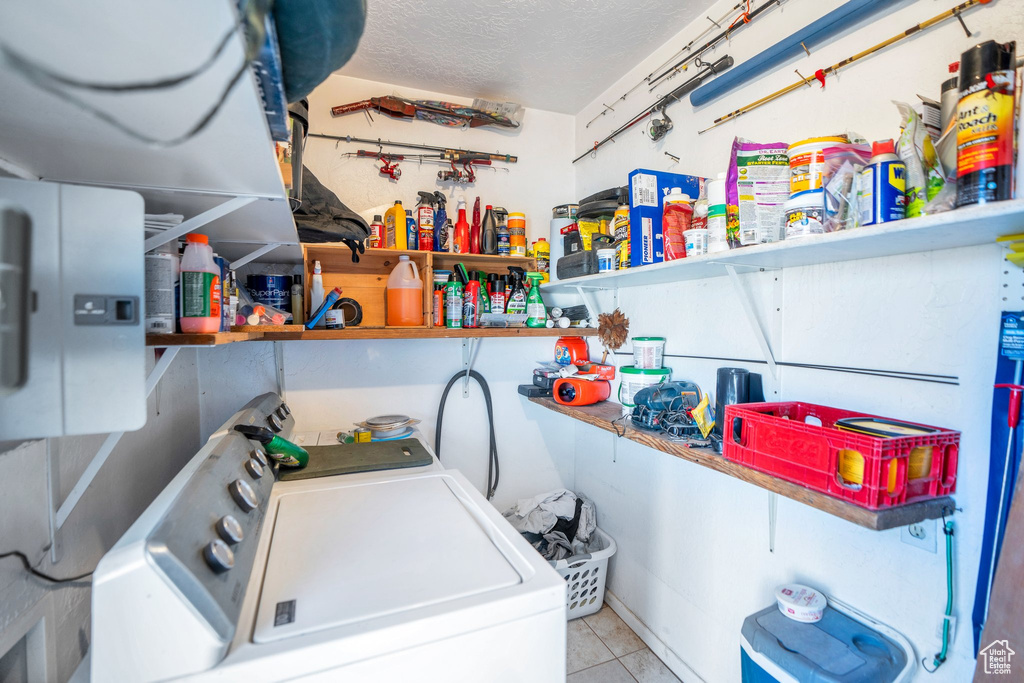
755,326
196,222
591,303
110,443
470,347
252,256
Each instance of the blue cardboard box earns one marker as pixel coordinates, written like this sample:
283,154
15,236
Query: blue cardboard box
647,190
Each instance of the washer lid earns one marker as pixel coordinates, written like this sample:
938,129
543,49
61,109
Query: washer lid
349,554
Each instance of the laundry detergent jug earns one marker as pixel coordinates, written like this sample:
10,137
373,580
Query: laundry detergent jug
405,294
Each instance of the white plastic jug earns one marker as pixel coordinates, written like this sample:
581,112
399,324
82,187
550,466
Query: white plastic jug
405,294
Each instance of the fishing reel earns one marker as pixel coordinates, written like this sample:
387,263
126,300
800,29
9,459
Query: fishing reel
659,127
466,176
389,169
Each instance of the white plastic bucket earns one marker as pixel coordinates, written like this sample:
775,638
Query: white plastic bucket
648,352
632,380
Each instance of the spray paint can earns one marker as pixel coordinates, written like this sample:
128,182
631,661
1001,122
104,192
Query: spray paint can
438,305
470,301
453,304
985,124
376,240
883,186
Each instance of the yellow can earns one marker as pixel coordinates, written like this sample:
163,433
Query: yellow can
517,234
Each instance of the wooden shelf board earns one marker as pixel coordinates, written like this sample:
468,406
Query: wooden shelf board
214,339
602,414
300,333
969,226
422,333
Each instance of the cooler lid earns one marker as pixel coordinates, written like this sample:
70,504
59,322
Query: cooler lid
352,553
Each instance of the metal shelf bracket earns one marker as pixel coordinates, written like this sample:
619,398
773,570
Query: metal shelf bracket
755,326
65,509
196,222
470,348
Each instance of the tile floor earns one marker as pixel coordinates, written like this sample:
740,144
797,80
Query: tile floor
602,649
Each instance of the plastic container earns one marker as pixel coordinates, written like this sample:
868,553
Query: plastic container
807,163
489,232
605,260
460,238
571,351
395,235
648,352
517,234
804,214
800,603
675,220
316,292
632,380
586,576
718,237
405,294
411,232
799,442
542,252
845,646
200,287
425,227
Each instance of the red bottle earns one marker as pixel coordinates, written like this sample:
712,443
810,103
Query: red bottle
474,231
460,240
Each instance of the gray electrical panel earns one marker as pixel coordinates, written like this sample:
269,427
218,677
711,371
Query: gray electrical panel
72,343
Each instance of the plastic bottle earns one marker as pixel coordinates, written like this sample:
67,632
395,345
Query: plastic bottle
619,231
411,231
517,293
883,184
377,239
298,310
441,223
316,292
489,233
405,294
453,303
675,219
718,236
200,287
446,236
542,252
537,314
394,222
484,302
474,229
504,243
460,240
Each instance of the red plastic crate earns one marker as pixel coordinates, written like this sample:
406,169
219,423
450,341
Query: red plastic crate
778,439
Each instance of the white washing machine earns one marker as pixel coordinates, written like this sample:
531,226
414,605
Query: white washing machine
399,575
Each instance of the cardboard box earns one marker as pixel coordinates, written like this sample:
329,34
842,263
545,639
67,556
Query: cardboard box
647,190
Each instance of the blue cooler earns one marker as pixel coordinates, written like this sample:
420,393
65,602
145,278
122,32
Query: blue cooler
837,649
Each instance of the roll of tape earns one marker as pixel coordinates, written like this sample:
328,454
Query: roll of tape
352,310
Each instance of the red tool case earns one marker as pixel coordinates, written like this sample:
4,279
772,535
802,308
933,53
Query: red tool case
798,442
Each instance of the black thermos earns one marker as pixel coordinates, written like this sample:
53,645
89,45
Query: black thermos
733,387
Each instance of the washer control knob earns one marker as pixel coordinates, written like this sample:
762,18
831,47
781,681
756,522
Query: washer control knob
243,495
286,409
218,556
259,456
274,423
280,412
230,530
254,469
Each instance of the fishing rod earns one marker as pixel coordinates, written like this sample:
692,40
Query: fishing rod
741,21
689,45
834,69
446,152
710,69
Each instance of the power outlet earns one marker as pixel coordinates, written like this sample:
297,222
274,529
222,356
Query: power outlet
921,535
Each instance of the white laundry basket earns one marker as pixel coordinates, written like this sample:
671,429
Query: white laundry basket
585,576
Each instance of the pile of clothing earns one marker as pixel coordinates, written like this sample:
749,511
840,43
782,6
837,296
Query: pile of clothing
558,524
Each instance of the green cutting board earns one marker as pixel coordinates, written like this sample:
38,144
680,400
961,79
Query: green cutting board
348,458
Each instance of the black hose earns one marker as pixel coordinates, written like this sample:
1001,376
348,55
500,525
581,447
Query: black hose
492,462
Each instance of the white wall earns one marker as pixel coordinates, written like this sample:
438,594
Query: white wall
542,177
693,556
333,384
138,468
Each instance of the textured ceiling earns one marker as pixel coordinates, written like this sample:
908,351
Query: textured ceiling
556,55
